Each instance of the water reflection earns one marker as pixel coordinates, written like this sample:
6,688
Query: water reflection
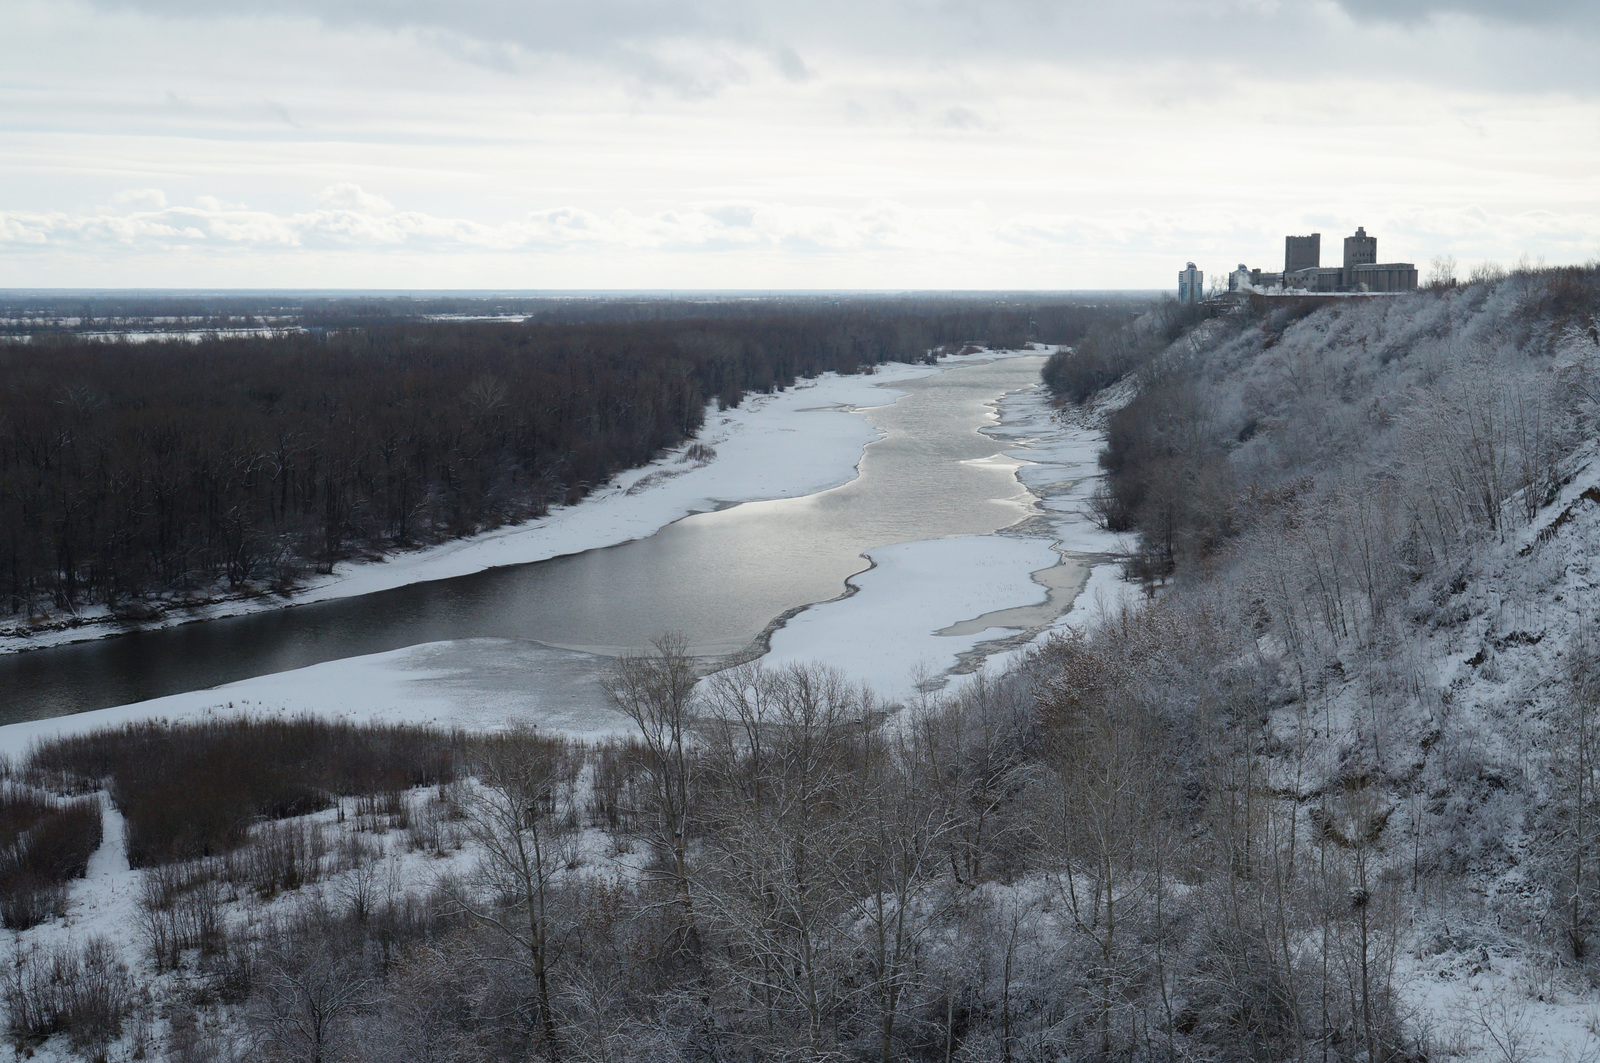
718,577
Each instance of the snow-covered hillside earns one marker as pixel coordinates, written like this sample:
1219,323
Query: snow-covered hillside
1387,515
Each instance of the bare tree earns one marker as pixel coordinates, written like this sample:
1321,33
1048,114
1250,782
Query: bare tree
517,816
656,690
906,821
307,992
786,841
1575,767
1102,817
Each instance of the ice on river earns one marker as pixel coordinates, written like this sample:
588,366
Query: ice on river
887,633
475,684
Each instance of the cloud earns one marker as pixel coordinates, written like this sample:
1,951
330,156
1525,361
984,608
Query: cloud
1567,14
282,113
666,43
961,118
353,198
790,65
146,198
351,219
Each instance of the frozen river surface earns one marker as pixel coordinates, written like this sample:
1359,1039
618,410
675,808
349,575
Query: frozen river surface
961,535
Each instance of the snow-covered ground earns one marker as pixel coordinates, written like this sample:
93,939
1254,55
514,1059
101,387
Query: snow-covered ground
106,904
886,633
1060,453
1489,1002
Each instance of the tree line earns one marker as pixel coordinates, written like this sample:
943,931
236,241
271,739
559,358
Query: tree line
47,315
131,474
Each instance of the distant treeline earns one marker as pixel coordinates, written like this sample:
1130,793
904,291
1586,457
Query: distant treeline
36,313
129,472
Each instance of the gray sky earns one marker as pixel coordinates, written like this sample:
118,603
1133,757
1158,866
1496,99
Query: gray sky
765,144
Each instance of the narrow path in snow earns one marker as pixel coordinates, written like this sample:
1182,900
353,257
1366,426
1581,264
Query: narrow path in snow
106,901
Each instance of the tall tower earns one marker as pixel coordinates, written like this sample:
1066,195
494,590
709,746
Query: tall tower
1191,285
1301,252
1360,249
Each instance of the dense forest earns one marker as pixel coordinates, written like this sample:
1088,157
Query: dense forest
134,473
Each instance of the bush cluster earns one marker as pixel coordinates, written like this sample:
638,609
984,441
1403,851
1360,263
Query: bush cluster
84,992
195,790
44,844
1117,347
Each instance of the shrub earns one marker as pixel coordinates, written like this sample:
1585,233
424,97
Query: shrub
280,857
195,790
617,792
84,993
44,844
180,909
1117,348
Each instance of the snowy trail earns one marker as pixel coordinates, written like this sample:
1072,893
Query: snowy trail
105,902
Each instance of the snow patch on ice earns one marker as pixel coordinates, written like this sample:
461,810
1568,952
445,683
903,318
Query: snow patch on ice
474,684
886,632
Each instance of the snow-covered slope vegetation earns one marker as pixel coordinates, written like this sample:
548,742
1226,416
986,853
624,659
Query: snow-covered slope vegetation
1375,667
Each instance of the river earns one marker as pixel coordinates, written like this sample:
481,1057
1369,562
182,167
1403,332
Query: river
721,578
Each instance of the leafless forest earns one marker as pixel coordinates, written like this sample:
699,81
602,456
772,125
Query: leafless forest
140,476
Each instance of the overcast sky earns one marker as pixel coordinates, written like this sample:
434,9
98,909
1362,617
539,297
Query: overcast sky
782,144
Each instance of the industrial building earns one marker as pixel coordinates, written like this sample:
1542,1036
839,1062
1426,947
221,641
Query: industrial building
1303,270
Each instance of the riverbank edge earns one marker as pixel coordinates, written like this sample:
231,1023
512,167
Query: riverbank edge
825,462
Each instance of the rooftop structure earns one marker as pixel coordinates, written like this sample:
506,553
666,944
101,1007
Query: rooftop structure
1360,249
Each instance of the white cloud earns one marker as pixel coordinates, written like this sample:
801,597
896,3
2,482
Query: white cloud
148,198
348,196
705,234
675,43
